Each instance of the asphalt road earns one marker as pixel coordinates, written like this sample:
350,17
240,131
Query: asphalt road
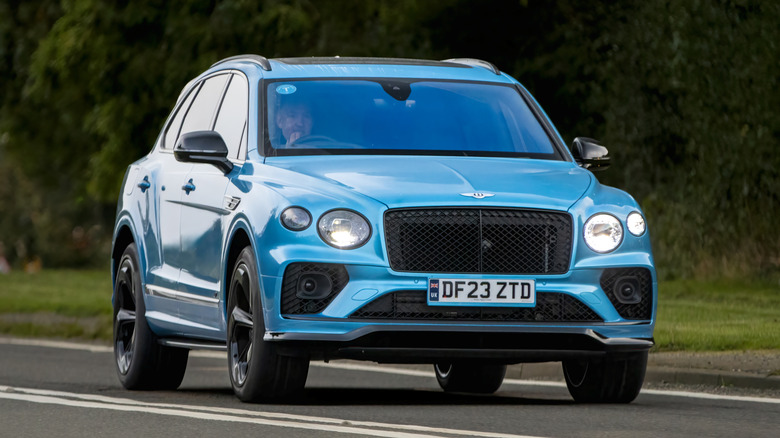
71,391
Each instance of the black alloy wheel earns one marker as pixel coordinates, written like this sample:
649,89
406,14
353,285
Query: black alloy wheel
141,362
257,371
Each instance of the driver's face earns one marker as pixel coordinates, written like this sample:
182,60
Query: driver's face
294,121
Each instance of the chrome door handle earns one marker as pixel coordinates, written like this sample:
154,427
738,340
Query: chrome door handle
188,187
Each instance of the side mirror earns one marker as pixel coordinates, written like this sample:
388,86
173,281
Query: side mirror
590,154
203,147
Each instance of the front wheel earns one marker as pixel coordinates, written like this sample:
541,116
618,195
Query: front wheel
613,379
468,377
257,371
141,362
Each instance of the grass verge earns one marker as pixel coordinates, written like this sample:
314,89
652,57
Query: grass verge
56,304
692,315
718,316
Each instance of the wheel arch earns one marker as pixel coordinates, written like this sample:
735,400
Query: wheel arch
239,239
123,237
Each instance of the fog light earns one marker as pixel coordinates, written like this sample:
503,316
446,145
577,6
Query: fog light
627,291
313,286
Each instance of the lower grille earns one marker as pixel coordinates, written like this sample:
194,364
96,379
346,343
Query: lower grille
412,305
641,279
293,304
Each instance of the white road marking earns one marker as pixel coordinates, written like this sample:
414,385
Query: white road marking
278,419
542,383
390,370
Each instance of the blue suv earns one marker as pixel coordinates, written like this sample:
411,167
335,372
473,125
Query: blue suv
389,210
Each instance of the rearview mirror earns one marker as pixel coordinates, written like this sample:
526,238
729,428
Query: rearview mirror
590,154
203,147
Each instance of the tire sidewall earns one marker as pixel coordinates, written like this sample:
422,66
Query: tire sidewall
143,339
250,389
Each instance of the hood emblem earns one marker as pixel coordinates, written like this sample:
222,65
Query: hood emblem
478,195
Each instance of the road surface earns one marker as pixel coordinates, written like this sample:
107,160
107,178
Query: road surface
71,390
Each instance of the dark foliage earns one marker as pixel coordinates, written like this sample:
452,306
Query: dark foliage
684,93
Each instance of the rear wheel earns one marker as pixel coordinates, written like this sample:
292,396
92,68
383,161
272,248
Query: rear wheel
468,377
613,379
257,371
141,362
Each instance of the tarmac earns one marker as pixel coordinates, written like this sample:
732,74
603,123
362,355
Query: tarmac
755,370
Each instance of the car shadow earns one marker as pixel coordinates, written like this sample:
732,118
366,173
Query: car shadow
344,396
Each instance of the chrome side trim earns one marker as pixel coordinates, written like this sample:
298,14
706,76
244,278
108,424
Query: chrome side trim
157,291
193,344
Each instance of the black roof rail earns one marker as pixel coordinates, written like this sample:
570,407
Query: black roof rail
475,63
257,59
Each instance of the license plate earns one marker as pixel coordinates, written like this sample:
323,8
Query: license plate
481,292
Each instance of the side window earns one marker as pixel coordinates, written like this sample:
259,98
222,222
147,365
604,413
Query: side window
231,121
202,111
172,133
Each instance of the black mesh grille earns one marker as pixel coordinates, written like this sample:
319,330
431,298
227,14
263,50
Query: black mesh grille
292,304
412,304
478,241
641,310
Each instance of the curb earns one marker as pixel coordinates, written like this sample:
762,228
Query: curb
711,378
657,374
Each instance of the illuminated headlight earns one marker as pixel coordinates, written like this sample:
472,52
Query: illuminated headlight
344,229
296,218
603,232
636,224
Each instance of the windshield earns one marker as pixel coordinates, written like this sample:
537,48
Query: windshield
402,116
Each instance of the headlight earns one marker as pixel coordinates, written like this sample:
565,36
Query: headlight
344,229
603,232
296,218
636,224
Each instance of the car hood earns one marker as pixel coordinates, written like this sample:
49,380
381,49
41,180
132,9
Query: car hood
403,181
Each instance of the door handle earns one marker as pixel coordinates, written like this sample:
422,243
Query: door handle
144,185
188,187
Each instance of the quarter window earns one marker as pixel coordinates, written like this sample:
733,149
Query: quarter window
172,133
201,113
231,121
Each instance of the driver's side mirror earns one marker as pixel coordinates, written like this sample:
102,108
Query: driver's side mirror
590,154
203,147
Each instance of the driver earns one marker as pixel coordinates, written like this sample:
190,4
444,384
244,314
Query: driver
294,119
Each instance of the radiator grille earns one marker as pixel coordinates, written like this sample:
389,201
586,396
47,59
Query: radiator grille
507,241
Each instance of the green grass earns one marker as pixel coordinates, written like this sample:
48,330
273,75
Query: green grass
718,316
692,315
56,303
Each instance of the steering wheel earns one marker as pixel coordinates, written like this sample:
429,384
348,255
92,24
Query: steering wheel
313,138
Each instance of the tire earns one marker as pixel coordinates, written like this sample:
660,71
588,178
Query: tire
257,372
471,378
141,362
614,379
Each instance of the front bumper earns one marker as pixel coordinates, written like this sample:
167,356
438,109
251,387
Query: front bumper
411,346
335,331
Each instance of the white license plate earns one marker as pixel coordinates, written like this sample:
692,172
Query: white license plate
481,292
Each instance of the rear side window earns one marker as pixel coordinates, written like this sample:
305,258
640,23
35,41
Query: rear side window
172,133
231,121
201,113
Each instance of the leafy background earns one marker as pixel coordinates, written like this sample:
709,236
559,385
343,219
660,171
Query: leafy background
684,93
